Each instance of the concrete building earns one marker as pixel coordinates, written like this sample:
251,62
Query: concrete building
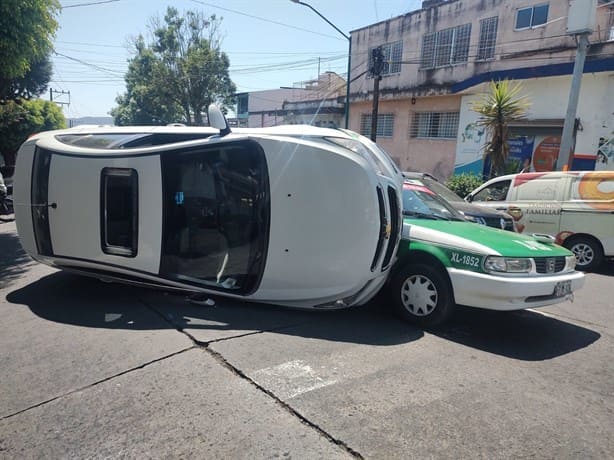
440,58
319,102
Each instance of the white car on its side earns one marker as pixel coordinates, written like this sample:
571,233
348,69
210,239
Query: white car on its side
294,215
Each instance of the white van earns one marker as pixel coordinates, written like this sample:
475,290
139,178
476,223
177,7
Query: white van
296,215
576,207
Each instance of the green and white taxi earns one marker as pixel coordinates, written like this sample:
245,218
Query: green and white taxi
443,260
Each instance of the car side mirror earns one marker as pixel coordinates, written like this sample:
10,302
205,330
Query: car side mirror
469,198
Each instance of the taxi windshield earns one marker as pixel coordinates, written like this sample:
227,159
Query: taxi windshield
422,203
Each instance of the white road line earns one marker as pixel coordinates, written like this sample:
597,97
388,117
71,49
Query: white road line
288,380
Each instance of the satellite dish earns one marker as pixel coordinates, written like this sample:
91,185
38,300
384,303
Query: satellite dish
218,120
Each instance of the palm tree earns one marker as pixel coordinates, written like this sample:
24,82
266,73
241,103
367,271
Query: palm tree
498,107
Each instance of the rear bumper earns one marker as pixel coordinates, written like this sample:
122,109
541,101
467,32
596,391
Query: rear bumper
509,293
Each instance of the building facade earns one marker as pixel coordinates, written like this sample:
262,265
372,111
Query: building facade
442,57
319,102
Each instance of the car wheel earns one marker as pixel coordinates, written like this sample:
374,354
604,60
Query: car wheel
588,252
422,295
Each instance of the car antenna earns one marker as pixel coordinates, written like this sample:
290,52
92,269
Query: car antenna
218,120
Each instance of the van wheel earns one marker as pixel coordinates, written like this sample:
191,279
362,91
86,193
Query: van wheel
588,252
422,295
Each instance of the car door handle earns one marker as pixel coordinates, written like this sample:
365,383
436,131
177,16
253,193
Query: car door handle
504,208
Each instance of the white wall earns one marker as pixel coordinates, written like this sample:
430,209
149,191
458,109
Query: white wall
549,97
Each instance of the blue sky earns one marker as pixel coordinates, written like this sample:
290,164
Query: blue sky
270,43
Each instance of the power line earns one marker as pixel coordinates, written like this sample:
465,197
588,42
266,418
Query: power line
89,4
266,20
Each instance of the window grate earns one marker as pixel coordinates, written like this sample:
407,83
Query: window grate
434,125
488,38
446,47
385,124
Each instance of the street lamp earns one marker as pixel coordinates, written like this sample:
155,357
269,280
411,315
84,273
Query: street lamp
349,39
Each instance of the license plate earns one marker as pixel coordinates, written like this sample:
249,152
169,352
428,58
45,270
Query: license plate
562,288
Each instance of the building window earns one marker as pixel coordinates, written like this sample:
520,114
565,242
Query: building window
393,54
119,211
531,17
242,108
488,38
446,47
385,123
434,125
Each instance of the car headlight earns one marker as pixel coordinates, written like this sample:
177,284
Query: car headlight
570,263
508,264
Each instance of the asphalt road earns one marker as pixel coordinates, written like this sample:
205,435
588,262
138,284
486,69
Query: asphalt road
95,370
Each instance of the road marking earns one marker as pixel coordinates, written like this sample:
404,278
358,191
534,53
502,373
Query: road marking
288,380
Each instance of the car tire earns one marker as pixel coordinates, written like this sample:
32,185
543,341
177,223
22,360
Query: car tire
588,252
422,295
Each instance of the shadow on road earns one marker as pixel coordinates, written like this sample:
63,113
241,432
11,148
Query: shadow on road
523,334
13,259
81,301
71,299
606,268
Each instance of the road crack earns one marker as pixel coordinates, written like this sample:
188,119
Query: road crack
98,382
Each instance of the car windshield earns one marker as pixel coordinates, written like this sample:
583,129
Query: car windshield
422,203
216,215
441,190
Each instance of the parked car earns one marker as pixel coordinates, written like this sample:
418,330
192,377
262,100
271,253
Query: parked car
472,212
576,207
295,215
444,260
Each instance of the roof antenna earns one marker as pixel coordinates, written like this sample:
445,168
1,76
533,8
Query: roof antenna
218,120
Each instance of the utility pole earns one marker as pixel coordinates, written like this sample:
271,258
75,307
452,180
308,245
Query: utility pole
60,93
377,56
565,152
581,21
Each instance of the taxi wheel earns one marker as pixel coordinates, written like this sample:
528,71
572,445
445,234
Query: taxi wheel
422,295
588,252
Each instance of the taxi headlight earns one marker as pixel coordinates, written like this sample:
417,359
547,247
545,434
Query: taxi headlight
507,264
570,263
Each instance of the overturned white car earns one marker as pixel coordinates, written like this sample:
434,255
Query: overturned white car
293,215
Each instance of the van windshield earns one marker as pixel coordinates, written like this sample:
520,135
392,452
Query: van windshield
216,216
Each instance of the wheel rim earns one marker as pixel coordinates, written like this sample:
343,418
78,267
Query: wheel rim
584,253
419,295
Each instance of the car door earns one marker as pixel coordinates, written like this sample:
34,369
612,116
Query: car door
536,203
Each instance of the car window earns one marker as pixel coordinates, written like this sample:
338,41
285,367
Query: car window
494,192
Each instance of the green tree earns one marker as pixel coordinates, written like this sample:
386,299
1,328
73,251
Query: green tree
33,83
19,120
27,29
498,107
178,75
463,183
